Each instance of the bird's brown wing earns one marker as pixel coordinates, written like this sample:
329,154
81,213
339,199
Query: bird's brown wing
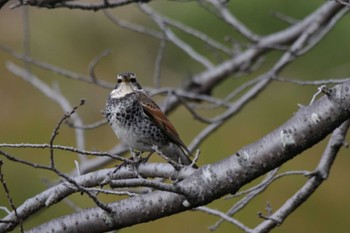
153,111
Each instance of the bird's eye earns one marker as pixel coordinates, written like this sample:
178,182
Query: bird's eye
132,79
119,80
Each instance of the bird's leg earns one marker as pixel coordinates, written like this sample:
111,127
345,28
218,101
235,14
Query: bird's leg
135,158
135,155
144,160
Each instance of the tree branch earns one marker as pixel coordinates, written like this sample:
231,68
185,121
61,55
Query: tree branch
317,178
57,193
94,6
307,127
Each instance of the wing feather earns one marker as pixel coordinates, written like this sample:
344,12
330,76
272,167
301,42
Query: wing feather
153,111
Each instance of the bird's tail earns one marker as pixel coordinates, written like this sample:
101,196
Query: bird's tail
177,154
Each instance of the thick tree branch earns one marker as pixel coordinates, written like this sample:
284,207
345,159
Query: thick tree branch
317,178
307,127
57,193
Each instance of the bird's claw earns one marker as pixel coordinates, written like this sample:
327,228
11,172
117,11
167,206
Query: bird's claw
135,161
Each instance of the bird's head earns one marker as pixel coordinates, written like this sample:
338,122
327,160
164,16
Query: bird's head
126,83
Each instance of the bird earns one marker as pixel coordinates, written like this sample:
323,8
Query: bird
140,123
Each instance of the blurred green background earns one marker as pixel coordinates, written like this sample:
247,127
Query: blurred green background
70,39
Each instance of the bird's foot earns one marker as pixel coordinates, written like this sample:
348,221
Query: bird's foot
135,160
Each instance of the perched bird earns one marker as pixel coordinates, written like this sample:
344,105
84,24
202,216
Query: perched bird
138,121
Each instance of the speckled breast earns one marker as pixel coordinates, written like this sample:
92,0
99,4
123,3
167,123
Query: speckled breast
132,125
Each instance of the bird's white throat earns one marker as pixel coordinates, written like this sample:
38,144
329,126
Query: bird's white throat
122,90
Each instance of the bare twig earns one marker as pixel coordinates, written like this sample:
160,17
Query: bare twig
173,38
26,36
113,192
157,64
5,209
224,217
65,148
225,14
95,61
192,111
132,26
56,130
197,34
89,126
65,73
9,198
311,82
319,90
285,18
